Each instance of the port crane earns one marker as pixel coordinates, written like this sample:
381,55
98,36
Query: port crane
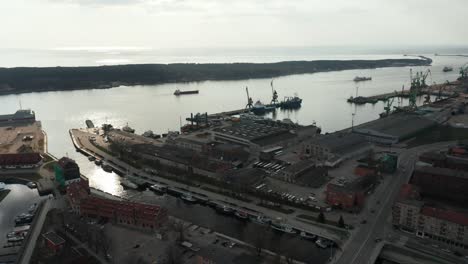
249,99
419,80
274,99
388,108
464,72
412,99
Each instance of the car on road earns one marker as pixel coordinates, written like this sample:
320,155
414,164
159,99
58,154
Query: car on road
377,239
364,221
372,211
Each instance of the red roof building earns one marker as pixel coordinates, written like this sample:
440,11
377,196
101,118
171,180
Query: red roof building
19,160
430,219
121,212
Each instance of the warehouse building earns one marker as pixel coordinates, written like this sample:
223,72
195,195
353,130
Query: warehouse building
332,149
133,214
394,128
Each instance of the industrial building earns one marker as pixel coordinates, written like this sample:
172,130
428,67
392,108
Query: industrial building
332,149
429,219
255,133
20,160
133,214
394,128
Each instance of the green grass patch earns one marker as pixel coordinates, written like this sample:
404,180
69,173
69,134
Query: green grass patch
4,194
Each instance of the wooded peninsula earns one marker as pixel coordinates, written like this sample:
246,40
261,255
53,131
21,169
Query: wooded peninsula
31,79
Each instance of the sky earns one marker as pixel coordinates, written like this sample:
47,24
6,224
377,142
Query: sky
62,24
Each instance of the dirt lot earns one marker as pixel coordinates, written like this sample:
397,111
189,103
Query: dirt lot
21,138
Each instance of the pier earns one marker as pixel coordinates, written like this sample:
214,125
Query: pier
386,96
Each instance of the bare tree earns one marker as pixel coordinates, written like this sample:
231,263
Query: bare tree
173,254
258,236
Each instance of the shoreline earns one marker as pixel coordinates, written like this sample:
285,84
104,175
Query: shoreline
30,79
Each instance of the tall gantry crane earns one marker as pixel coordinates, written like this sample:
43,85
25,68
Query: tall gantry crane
249,99
274,98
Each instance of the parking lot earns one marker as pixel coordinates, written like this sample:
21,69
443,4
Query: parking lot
14,137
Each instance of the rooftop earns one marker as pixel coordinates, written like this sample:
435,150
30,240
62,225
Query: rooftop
53,238
20,158
257,131
441,171
400,125
341,142
449,215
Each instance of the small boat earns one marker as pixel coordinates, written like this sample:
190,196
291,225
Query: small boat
259,108
241,215
89,123
187,197
447,69
283,228
308,236
157,188
91,158
224,209
33,208
322,243
98,162
126,183
261,220
128,129
179,92
31,185
106,167
362,78
23,219
15,239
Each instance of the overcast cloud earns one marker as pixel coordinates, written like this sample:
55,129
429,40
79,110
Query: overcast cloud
231,23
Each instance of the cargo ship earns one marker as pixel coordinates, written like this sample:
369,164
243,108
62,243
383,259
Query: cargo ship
179,92
291,102
19,116
447,69
362,78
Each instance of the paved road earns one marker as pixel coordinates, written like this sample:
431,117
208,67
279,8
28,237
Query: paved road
36,231
360,247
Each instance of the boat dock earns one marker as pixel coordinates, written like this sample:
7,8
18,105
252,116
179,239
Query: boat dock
239,111
386,96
